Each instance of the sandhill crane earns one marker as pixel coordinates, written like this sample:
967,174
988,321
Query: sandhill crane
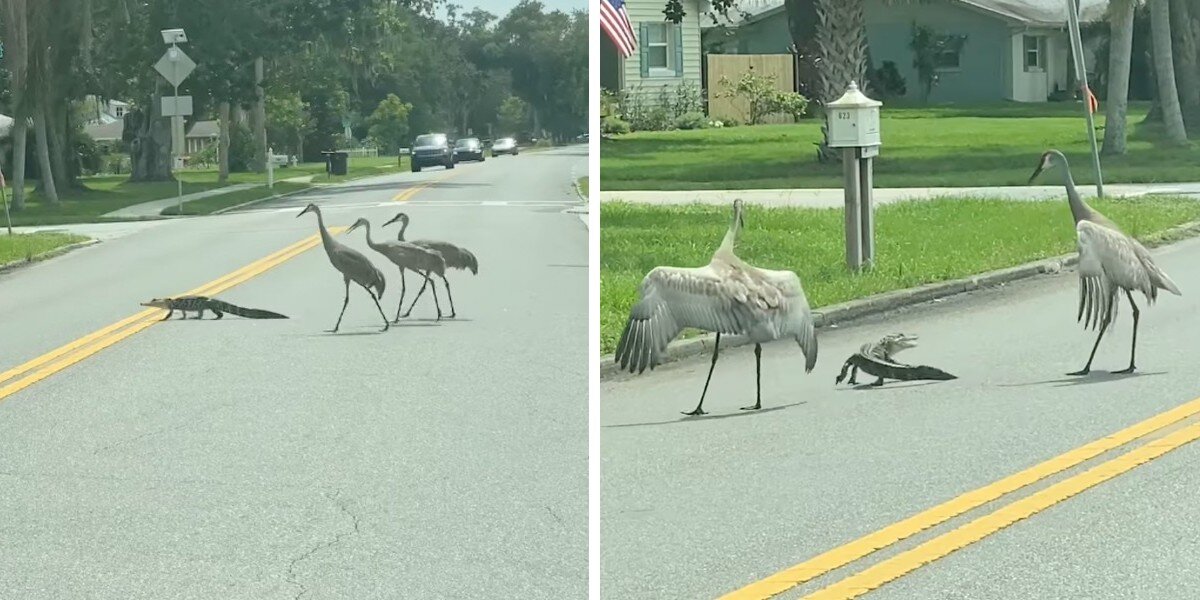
727,296
1109,261
406,256
353,265
456,257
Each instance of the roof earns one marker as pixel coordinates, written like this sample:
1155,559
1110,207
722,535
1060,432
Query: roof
112,131
1034,13
204,129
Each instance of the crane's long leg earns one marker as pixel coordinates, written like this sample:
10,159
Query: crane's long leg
433,288
699,410
757,379
386,324
419,292
1133,348
1104,322
447,284
403,288
345,303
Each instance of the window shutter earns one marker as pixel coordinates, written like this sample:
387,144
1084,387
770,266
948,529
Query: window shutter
678,50
643,49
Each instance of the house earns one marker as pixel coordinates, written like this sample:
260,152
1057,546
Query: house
1013,49
199,135
667,56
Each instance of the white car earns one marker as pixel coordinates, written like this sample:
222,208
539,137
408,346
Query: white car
504,146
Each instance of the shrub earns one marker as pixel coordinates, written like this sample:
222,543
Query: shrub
888,81
692,120
613,125
763,98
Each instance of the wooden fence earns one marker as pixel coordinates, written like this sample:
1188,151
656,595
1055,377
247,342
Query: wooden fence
732,66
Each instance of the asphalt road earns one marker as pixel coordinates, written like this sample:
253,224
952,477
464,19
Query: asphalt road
270,459
700,507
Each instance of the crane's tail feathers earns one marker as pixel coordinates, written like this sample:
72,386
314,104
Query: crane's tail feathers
1166,283
464,260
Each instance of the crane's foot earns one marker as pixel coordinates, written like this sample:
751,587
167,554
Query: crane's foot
757,405
1083,371
1125,371
696,412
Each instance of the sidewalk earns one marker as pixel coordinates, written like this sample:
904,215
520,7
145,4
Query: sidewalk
154,208
835,197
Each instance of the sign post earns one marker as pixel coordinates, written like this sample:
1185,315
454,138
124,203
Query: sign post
4,196
1084,91
175,66
270,168
853,125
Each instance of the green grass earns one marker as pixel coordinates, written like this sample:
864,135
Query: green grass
106,193
916,243
206,206
583,186
26,246
922,147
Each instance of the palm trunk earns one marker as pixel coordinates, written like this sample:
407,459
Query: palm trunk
1164,68
20,133
1120,56
842,40
1187,63
223,144
46,181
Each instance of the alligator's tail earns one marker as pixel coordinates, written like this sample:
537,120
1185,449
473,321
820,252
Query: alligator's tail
921,372
249,313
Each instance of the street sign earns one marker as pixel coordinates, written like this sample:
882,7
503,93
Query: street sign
175,66
169,106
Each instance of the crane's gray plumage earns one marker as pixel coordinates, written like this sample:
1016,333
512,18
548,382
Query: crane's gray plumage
726,296
1110,261
407,256
456,257
353,266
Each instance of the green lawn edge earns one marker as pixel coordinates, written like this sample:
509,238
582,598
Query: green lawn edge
917,243
28,247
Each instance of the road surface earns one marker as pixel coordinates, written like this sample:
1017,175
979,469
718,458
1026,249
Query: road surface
701,507
270,459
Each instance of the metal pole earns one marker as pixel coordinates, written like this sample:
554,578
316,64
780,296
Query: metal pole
853,220
867,214
177,133
270,169
1077,52
4,196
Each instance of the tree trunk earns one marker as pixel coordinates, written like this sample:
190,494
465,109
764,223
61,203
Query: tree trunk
1120,57
258,118
1164,68
1187,63
60,152
20,132
223,143
46,179
150,146
802,19
842,40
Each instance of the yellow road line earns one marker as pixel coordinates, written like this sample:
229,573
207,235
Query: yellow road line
406,194
906,562
75,351
847,553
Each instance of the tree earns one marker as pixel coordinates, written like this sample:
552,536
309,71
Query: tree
1164,70
514,115
389,122
1120,57
1186,50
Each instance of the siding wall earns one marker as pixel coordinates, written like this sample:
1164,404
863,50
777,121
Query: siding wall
650,11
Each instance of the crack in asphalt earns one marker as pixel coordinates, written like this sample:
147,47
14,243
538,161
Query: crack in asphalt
291,570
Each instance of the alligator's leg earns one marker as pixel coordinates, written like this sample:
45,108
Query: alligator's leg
877,382
344,304
386,324
216,313
845,367
853,375
1133,348
170,312
757,379
447,284
699,410
1088,367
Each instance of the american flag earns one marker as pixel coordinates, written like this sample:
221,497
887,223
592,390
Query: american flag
615,22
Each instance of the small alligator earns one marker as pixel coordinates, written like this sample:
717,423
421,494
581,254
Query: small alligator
877,359
199,304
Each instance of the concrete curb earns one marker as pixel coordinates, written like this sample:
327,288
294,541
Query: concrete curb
222,211
16,264
888,301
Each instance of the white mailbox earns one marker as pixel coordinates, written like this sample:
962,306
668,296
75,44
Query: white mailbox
853,120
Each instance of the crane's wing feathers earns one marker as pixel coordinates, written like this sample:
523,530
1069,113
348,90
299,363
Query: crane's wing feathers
360,269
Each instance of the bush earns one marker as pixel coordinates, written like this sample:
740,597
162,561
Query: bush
692,120
88,151
613,125
887,81
763,98
241,148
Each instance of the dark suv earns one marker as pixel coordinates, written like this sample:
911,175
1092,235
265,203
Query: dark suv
468,149
432,149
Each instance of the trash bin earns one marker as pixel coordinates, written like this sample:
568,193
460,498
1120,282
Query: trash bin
338,163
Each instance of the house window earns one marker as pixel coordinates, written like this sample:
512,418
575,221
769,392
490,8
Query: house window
946,59
1035,53
119,111
660,50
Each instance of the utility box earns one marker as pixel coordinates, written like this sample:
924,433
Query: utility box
853,120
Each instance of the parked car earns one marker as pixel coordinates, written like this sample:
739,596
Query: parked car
468,149
432,149
504,146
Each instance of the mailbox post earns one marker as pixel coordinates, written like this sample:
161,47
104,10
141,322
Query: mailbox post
853,126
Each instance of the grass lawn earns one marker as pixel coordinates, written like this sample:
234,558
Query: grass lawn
106,193
206,206
26,246
922,147
916,243
583,186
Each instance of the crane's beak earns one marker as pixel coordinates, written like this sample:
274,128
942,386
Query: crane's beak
1038,171
353,227
389,222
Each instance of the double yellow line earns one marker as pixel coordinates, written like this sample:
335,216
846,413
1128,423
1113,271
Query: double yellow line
29,373
901,564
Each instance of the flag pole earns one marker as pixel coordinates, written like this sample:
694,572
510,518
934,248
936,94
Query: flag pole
1084,91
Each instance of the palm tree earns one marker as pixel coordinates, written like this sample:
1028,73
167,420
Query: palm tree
1186,30
1164,69
1120,56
